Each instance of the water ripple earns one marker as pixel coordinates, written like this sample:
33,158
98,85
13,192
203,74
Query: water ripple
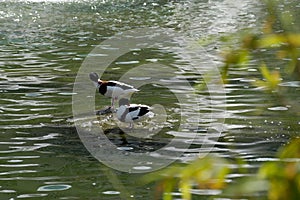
44,137
43,45
59,187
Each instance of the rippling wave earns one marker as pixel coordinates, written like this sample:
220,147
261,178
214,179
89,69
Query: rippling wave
43,44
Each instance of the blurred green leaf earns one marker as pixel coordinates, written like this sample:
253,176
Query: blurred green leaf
276,40
246,186
284,176
185,188
168,186
272,40
280,179
206,173
271,79
293,39
292,150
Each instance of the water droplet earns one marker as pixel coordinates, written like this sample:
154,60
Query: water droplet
67,93
33,94
61,70
111,192
125,148
140,78
53,187
152,59
278,108
97,55
291,84
8,191
142,167
252,70
14,161
23,196
127,62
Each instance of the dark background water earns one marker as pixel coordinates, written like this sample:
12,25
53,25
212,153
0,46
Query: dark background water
43,44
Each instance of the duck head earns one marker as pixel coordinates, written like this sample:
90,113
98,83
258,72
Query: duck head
95,78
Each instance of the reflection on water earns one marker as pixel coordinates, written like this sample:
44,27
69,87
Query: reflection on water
42,47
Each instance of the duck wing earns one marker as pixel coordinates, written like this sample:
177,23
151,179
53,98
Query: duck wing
137,111
124,86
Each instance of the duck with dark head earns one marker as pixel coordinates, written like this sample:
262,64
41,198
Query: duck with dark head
130,113
112,89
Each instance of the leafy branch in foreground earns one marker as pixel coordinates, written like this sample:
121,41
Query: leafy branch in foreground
271,79
284,45
278,179
204,173
283,176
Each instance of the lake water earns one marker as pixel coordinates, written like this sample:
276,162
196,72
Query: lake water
48,49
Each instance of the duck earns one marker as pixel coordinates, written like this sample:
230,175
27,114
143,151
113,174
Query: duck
112,89
130,113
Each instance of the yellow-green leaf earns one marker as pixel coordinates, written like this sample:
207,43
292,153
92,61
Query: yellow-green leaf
271,40
185,189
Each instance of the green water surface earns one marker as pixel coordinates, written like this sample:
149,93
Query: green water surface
43,45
